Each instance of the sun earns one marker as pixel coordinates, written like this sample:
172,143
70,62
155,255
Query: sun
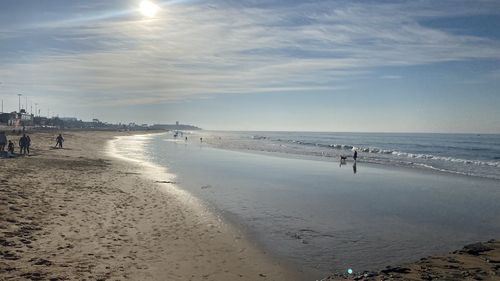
148,8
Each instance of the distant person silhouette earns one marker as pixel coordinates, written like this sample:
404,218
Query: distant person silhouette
3,141
10,147
355,155
59,141
23,143
201,139
186,139
28,144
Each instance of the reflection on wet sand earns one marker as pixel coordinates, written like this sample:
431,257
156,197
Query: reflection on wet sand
381,216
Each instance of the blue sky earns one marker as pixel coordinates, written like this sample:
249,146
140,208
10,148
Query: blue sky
410,66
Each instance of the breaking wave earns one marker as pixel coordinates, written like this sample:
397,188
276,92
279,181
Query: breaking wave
439,153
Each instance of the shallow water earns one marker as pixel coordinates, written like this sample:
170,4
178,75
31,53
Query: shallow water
326,218
466,154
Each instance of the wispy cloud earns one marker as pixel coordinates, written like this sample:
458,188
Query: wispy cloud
199,49
391,77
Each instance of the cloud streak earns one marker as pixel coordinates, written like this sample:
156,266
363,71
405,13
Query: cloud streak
198,50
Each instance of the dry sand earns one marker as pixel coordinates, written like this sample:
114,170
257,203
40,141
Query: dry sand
78,214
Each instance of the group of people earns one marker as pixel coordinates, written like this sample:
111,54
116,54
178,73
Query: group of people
24,144
3,143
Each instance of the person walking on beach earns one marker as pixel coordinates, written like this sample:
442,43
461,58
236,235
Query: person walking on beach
355,156
59,141
10,147
28,144
3,141
23,143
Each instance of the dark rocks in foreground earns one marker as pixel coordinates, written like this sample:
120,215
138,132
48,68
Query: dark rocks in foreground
478,261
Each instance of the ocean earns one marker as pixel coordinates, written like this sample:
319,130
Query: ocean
407,196
467,154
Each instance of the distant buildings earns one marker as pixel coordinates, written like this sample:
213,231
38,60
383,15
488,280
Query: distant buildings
69,119
4,118
17,119
177,126
22,119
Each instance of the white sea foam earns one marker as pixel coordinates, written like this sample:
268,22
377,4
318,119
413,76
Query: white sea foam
466,154
411,155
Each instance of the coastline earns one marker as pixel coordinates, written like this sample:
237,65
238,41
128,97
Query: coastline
76,213
186,158
291,146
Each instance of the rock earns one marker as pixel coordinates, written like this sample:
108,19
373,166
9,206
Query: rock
476,249
395,269
369,274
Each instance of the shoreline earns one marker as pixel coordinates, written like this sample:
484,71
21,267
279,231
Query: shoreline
166,182
79,214
211,138
234,219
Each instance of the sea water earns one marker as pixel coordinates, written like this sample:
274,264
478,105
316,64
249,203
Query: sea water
467,154
325,217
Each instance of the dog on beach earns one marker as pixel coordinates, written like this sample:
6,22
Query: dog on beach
343,159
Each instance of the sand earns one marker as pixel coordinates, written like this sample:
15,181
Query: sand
478,261
79,214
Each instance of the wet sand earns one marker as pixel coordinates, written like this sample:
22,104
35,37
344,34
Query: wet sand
477,261
325,218
78,214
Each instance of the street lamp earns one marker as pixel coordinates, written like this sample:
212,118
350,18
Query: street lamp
2,100
19,95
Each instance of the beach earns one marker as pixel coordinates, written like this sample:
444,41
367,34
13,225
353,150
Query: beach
79,214
96,210
321,216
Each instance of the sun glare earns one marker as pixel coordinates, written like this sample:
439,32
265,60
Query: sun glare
148,8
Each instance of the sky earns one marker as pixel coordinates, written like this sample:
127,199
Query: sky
356,66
